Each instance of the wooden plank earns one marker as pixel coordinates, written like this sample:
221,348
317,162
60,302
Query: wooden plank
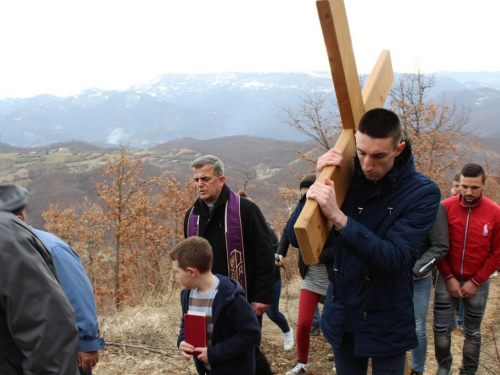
379,83
333,20
312,228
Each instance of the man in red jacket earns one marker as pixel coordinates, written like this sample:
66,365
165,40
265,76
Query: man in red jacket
474,229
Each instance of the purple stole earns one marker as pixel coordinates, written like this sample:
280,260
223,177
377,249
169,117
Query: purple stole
234,238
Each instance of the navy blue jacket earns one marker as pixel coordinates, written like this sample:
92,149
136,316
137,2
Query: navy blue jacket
235,334
371,288
326,255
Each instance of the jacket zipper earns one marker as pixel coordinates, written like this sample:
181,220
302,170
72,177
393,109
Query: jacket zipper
465,243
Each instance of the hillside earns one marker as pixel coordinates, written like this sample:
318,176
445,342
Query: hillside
64,173
266,155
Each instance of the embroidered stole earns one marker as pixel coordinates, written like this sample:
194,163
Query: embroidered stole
234,238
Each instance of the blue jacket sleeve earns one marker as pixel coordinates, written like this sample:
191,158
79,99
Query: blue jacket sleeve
184,308
77,287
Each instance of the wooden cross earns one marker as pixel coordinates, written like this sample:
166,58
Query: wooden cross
312,228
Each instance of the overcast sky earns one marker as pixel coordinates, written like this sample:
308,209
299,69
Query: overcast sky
62,47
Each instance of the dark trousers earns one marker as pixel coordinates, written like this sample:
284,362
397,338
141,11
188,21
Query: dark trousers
262,366
347,364
274,313
444,312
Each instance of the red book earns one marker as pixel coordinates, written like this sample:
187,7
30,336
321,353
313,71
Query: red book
195,329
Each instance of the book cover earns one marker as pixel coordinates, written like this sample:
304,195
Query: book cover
195,329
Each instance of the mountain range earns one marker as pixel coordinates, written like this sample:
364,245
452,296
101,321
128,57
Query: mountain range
207,106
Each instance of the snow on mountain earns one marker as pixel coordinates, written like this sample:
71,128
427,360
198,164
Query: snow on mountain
204,106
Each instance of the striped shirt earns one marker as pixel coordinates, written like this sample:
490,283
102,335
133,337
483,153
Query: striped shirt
316,279
203,303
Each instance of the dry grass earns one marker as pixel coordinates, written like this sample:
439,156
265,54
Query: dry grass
142,340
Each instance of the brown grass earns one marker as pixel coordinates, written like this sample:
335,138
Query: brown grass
142,340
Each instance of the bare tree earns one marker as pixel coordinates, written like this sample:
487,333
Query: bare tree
124,197
312,119
171,206
435,128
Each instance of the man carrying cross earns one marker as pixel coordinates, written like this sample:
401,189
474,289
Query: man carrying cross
387,212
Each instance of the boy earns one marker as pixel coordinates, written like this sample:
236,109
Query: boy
232,327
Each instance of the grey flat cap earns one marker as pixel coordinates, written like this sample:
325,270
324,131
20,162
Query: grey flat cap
13,197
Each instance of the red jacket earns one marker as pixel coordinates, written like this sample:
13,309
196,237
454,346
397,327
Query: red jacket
474,240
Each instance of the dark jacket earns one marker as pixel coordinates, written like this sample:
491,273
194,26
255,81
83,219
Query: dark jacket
275,241
326,256
371,289
259,253
433,248
38,334
235,334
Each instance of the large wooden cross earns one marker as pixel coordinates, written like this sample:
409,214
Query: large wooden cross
312,228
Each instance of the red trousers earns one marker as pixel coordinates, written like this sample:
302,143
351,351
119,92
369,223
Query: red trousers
307,305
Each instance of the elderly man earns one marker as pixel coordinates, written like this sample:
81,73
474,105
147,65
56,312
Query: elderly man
38,334
238,234
76,286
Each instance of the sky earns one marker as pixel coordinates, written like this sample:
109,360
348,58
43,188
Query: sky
62,47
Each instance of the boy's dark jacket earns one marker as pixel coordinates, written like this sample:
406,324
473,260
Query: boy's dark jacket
236,331
371,289
259,252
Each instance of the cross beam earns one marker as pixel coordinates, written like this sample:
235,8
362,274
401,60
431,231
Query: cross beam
312,228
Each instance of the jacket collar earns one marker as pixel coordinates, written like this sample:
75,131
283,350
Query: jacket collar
223,197
466,205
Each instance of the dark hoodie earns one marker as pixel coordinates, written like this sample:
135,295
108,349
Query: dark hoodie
326,255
